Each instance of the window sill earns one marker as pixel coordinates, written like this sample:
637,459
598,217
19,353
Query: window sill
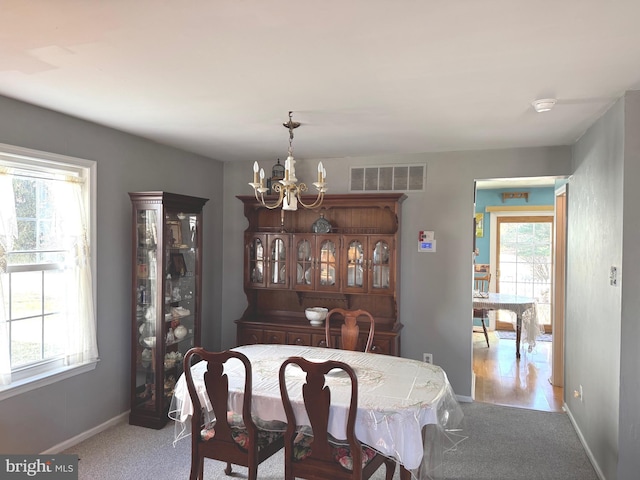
27,384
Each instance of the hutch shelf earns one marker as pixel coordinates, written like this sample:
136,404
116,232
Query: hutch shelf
166,293
294,260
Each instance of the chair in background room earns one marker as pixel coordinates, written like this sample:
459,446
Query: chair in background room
311,452
481,281
350,330
233,437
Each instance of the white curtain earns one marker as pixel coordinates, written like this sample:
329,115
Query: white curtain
8,233
70,225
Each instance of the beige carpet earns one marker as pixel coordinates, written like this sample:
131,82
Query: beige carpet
501,443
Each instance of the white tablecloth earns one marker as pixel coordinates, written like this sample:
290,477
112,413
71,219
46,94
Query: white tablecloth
523,307
397,397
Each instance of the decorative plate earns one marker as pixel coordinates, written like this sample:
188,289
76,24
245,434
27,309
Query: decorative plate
300,273
321,225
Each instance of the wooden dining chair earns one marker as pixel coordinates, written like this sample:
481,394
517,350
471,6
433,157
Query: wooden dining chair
350,330
481,285
312,453
233,437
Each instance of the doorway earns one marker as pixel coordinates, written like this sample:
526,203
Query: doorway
524,263
518,243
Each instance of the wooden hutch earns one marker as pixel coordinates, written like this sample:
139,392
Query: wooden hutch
295,259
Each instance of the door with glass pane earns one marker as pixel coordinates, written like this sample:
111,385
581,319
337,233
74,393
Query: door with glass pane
381,263
256,260
304,247
267,260
368,264
327,262
524,263
354,270
278,270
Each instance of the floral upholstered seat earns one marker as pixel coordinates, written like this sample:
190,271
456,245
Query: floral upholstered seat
341,453
268,431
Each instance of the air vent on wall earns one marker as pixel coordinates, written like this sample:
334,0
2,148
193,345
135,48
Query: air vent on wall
405,178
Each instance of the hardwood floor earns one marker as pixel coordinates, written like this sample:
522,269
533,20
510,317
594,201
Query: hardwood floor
502,379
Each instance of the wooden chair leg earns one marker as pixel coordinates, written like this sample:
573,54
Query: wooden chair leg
484,328
196,469
391,468
228,469
404,473
200,471
252,472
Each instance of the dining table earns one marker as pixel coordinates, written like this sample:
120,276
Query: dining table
405,406
526,318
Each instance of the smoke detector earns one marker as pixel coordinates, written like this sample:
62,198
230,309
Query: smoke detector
543,104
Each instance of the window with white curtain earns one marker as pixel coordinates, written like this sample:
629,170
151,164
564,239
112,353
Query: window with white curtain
47,294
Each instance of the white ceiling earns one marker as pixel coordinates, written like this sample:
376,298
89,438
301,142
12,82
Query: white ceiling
364,77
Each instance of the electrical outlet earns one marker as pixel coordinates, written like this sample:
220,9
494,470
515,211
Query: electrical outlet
613,276
427,357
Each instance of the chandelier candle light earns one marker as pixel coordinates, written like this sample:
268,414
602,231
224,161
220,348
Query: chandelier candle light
288,190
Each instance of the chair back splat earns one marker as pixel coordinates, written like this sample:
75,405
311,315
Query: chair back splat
350,330
481,283
232,437
311,452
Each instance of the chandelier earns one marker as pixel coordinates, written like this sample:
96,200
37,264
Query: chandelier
288,190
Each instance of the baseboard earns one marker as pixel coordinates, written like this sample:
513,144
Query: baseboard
464,399
592,459
61,447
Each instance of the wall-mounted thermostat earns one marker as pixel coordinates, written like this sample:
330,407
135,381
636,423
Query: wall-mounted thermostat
426,241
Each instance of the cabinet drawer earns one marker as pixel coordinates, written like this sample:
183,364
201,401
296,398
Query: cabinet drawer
296,338
379,346
250,336
275,337
320,340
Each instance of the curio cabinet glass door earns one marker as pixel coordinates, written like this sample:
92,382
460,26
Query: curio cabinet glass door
166,298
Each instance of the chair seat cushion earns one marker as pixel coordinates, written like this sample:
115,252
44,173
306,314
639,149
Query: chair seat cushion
341,452
268,431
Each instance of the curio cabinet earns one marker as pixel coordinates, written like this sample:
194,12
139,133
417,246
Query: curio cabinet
166,298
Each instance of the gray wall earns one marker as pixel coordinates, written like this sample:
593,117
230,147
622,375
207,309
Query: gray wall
435,301
629,434
38,420
593,307
602,324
